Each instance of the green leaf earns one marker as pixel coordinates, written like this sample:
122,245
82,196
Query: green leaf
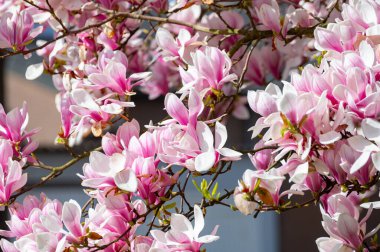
215,189
169,206
257,185
204,184
207,194
61,140
196,186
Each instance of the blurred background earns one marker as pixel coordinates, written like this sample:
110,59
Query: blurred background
291,231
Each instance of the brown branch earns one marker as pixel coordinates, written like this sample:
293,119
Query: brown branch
55,171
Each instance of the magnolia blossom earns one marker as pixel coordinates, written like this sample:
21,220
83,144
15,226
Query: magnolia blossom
257,186
36,225
103,172
212,148
320,131
341,222
182,235
17,30
11,176
13,129
210,70
179,48
93,114
269,15
114,78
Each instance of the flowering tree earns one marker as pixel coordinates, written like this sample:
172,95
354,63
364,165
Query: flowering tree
209,58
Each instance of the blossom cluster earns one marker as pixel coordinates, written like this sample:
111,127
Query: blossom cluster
208,60
321,130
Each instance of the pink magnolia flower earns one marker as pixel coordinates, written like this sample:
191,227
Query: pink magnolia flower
111,218
177,110
17,30
140,156
327,40
179,48
36,224
114,78
269,16
341,222
11,176
95,113
363,159
71,218
212,150
107,221
210,69
264,102
141,244
268,192
107,172
287,109
183,236
13,128
261,159
191,142
65,101
105,57
128,142
152,181
116,143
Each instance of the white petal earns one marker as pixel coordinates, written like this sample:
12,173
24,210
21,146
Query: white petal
117,162
288,101
371,129
199,221
84,99
100,163
367,54
373,30
139,76
300,173
321,167
158,235
207,238
375,204
361,144
360,162
347,226
326,244
112,108
46,241
51,223
329,137
126,180
180,224
205,161
34,71
226,152
220,135
205,137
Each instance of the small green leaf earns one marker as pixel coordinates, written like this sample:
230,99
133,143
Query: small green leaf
61,140
204,184
207,195
196,186
257,185
215,189
169,206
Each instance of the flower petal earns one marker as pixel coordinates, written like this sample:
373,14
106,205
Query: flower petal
126,180
205,161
